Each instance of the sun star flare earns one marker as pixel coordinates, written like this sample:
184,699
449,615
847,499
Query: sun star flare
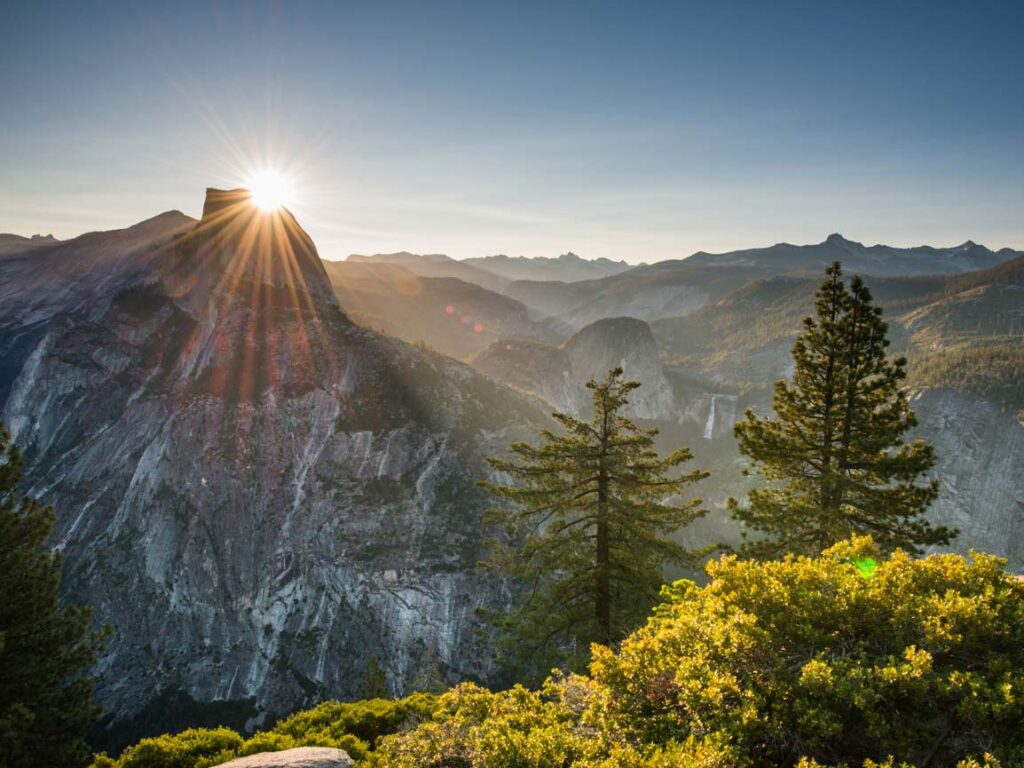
271,190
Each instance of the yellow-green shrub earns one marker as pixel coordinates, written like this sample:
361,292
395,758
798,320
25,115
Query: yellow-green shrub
352,726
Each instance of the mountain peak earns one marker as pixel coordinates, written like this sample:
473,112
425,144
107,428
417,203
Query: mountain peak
219,200
235,237
836,239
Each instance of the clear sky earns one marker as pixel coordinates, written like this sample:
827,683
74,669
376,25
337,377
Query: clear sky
631,130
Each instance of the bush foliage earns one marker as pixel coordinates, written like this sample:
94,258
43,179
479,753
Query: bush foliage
355,727
842,659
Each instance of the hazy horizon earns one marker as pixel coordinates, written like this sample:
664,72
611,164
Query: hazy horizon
434,252
637,133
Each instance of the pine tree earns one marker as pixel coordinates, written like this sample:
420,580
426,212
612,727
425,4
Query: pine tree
586,522
834,455
374,683
429,677
46,704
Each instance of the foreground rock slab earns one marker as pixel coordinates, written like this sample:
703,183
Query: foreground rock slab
302,757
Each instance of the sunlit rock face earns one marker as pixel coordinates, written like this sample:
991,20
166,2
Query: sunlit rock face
255,493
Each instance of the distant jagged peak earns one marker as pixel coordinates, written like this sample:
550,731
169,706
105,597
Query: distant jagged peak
568,267
569,257
14,244
969,246
837,239
400,257
33,239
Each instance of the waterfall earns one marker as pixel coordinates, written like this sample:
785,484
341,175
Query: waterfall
709,428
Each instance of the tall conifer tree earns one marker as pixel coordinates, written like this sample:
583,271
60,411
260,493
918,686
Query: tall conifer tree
834,455
46,703
374,682
587,520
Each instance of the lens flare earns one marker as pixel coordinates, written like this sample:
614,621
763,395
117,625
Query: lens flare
271,190
866,566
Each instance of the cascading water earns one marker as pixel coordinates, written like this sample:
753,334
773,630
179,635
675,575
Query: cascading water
709,428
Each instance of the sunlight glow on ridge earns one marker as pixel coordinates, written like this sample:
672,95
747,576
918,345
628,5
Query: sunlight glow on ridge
271,190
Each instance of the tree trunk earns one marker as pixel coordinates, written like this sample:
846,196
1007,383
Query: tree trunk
827,489
602,596
602,604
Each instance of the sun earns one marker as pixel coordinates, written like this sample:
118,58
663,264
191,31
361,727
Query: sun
271,190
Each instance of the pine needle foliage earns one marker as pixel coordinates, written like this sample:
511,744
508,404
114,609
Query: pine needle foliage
586,518
834,454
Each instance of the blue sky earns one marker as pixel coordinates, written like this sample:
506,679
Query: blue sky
631,130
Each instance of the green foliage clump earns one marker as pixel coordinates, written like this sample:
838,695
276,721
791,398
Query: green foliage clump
194,748
475,728
46,704
587,522
808,661
366,721
355,727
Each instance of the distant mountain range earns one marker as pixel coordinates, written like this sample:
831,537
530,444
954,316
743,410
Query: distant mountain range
674,288
567,268
878,260
495,272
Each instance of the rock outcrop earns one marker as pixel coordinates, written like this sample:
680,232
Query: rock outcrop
627,343
301,757
255,493
559,374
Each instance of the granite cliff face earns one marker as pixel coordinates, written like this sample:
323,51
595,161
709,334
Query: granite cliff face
980,450
255,493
